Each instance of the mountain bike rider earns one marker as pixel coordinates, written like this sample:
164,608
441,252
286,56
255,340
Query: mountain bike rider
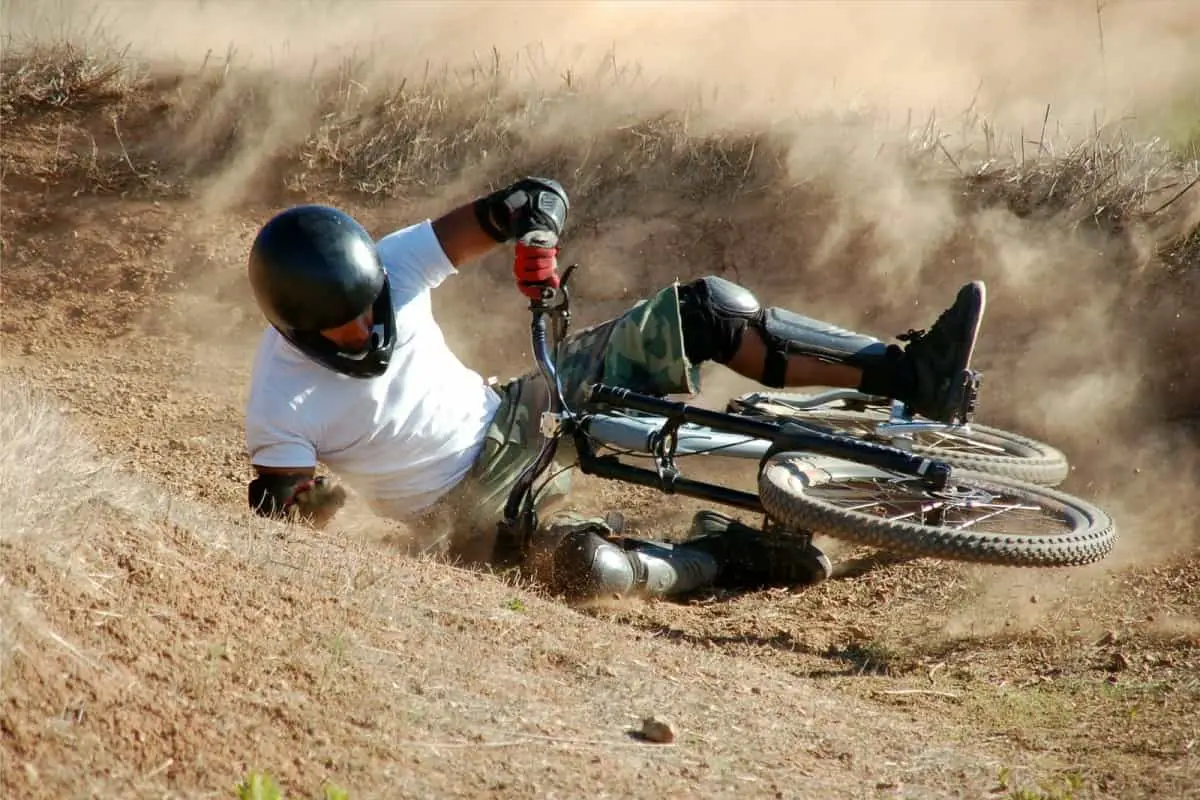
353,371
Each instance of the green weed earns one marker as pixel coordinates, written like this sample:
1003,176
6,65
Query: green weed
1062,787
261,786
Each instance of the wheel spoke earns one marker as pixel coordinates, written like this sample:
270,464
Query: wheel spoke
957,443
999,510
863,424
982,510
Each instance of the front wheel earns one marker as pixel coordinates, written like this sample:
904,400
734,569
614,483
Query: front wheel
975,447
978,518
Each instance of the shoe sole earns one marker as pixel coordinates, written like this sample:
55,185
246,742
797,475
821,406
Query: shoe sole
964,395
981,289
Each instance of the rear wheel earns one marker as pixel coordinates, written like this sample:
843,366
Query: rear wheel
977,517
975,447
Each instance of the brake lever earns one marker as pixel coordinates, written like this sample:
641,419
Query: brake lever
553,298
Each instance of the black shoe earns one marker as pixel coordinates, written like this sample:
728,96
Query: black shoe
932,374
753,559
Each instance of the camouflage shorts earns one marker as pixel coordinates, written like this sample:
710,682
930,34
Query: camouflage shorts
641,350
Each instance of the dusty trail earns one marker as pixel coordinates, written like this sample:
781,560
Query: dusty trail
157,640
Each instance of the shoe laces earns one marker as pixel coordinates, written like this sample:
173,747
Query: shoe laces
913,336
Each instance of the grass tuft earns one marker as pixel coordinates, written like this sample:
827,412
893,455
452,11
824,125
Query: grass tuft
42,76
261,786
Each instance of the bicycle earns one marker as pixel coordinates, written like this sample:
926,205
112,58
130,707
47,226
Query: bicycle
882,486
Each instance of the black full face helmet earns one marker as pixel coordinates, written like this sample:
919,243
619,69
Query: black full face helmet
313,268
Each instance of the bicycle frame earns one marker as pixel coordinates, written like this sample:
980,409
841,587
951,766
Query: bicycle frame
635,432
899,427
520,514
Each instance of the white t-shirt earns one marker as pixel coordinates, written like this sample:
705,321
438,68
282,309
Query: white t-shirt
402,439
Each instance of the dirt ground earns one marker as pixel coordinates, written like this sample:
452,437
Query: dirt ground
158,641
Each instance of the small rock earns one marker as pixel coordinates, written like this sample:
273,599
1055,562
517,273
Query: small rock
1118,662
657,730
1109,637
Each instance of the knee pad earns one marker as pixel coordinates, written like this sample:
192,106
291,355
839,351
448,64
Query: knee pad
715,313
586,565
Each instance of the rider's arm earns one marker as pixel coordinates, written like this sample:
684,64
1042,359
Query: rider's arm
284,457
295,493
476,228
462,238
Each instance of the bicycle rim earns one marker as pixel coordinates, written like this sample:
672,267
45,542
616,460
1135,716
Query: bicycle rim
978,518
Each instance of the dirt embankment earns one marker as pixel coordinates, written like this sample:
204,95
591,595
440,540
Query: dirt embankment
155,639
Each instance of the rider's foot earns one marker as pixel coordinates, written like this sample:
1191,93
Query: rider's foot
929,374
753,559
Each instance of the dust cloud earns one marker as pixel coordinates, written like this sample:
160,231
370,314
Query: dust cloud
764,60
1070,353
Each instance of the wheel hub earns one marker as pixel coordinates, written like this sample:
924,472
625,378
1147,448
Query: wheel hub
964,494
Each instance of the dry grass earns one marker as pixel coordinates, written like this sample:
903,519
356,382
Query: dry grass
48,476
354,129
40,77
51,491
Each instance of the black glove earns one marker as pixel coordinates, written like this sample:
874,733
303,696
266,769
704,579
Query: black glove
530,204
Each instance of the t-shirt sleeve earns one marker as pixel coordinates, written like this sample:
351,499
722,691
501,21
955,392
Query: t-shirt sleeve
414,255
271,442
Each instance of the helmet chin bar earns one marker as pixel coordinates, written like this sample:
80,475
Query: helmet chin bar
370,347
371,362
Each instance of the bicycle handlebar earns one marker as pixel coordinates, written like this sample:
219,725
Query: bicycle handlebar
557,302
554,301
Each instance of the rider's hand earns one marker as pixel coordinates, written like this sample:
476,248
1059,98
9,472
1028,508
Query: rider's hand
530,204
317,500
535,263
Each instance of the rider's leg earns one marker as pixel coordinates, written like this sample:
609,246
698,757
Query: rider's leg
753,559
799,369
789,349
583,559
462,526
641,349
